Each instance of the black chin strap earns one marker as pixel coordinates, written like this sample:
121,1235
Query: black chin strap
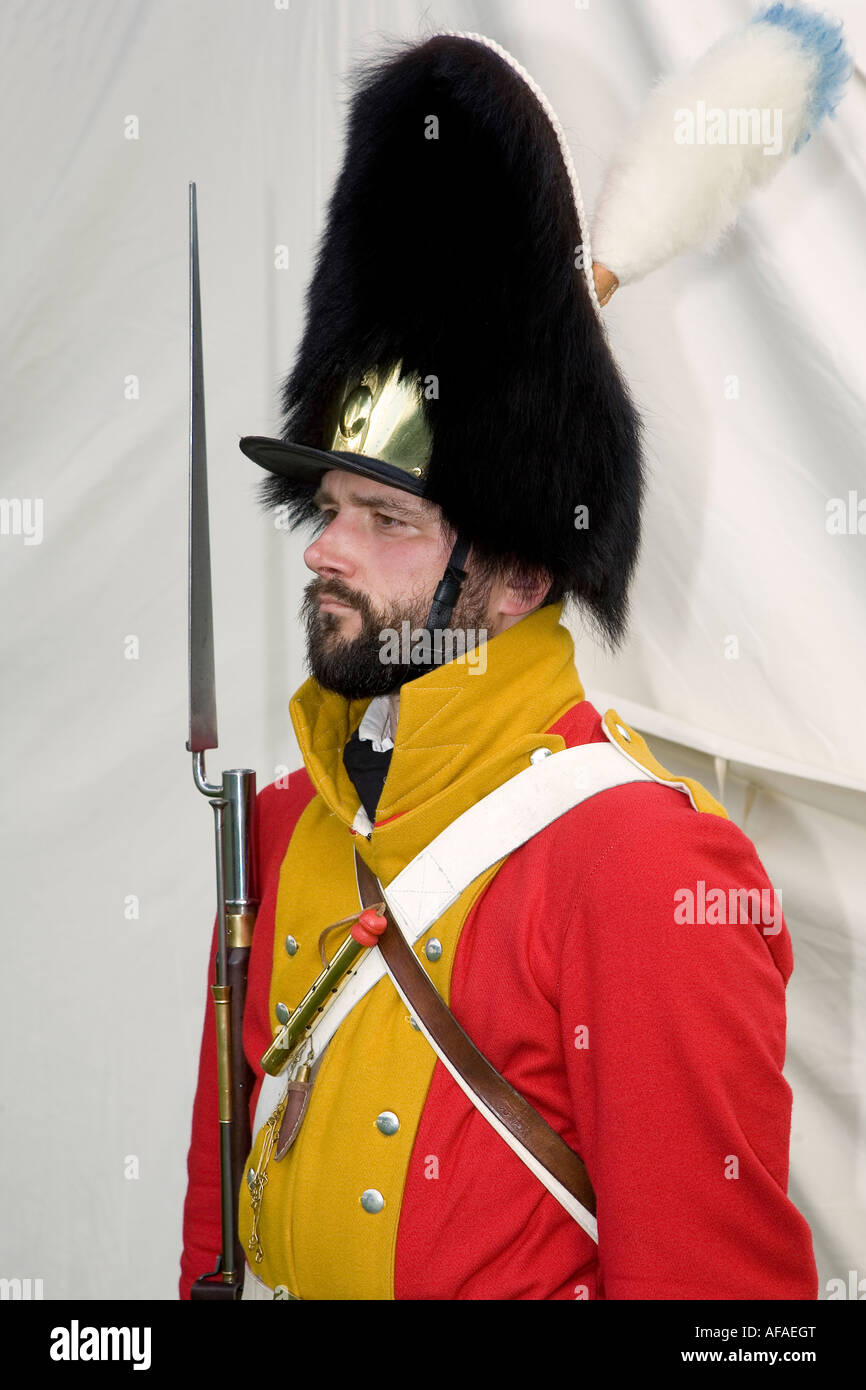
449,587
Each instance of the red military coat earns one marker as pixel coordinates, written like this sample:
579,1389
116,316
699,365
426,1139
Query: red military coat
653,1044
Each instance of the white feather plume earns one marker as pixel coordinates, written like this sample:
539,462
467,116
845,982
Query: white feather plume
693,157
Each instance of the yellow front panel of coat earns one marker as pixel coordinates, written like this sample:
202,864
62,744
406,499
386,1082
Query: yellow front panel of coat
317,1238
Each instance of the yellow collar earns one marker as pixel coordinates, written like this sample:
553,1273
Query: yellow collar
462,730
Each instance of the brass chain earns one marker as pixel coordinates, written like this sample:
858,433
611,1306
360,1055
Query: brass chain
257,1178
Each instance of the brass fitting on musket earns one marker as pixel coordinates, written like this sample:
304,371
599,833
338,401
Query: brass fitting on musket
239,928
318,998
221,1000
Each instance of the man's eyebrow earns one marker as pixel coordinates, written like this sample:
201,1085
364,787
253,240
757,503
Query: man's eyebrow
421,509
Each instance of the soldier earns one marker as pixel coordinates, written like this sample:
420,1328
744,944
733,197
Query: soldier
460,437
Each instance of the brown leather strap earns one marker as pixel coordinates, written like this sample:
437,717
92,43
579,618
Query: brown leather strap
511,1109
297,1100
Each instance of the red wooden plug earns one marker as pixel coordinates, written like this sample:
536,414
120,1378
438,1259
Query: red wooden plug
369,927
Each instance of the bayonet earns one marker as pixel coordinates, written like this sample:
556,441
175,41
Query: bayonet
202,686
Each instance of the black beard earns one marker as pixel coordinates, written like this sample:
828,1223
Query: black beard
353,667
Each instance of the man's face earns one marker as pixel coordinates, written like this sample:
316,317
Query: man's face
378,561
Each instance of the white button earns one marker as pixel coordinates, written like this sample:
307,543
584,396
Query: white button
539,754
372,1201
625,733
387,1122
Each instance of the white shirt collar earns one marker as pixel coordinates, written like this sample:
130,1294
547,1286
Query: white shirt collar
376,726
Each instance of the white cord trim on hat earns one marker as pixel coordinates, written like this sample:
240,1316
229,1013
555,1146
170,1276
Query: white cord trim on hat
582,219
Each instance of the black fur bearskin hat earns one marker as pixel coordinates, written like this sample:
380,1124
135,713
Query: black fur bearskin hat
453,293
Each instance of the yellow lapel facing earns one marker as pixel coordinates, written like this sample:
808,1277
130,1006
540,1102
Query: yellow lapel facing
463,729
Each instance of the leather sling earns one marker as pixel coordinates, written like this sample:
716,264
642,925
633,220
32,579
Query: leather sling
514,1112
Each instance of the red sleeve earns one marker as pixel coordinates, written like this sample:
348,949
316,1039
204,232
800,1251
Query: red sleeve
680,1066
202,1235
278,808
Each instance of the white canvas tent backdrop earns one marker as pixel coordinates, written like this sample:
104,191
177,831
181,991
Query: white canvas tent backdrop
745,661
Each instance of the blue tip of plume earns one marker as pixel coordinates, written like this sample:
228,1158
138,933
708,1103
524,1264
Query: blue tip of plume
822,37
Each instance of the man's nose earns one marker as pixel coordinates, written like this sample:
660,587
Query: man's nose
331,552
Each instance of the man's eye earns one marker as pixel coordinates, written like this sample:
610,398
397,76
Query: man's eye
324,518
388,522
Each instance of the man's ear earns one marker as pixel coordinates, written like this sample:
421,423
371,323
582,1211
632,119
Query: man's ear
523,590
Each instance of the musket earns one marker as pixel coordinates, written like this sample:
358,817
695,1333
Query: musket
233,802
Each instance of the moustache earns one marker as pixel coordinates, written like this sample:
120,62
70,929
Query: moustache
333,588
